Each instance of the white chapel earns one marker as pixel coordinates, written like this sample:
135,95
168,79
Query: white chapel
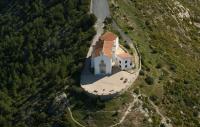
108,53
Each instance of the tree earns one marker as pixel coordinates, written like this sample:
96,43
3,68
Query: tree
93,19
39,41
108,20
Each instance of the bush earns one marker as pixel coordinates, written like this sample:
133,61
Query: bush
149,80
173,67
195,113
147,23
137,91
126,46
159,65
115,114
142,72
153,98
108,20
93,19
154,51
148,69
161,77
186,81
100,104
162,125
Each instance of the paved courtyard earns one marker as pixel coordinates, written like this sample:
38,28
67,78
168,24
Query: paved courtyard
107,84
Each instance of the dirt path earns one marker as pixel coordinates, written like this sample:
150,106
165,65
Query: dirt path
73,119
136,100
164,119
101,10
128,110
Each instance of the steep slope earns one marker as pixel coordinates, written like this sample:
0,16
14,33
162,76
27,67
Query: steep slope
42,47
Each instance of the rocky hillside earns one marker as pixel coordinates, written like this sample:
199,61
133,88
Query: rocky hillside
167,33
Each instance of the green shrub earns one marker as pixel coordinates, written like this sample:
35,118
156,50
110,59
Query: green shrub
186,81
108,20
162,125
149,80
173,67
126,46
153,98
159,65
142,72
137,91
115,114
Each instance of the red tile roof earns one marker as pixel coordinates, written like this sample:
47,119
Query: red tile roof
108,36
98,48
105,44
107,48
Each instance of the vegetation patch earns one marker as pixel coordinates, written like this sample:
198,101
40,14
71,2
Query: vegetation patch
42,49
169,44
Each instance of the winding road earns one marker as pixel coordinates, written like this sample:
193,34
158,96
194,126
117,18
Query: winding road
100,9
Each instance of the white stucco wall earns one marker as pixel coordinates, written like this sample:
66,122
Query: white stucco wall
114,48
117,43
123,63
106,60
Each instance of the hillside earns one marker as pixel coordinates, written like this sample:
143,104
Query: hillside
166,94
43,44
168,36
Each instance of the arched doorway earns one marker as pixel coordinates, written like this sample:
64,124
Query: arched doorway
102,67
